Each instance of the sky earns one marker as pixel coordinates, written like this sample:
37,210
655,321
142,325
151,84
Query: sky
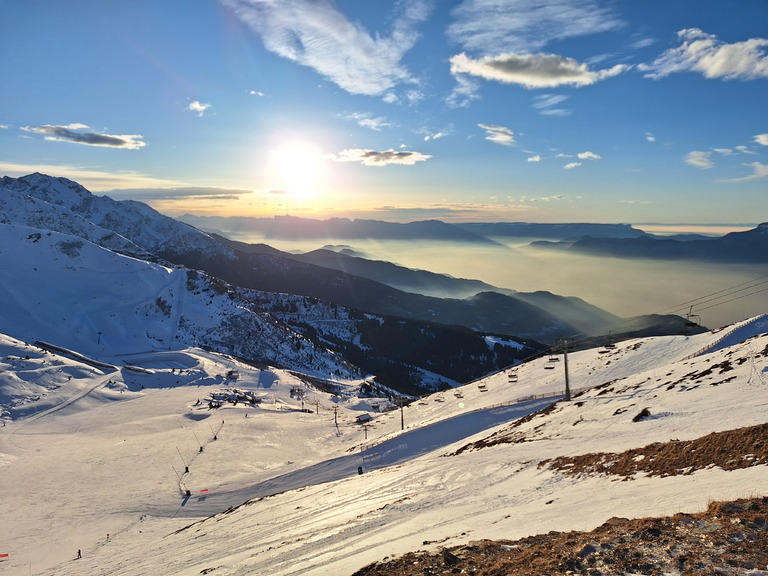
458,110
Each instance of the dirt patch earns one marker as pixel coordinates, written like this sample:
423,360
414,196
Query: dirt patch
730,450
729,538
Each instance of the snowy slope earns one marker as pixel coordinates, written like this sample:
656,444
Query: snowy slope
110,458
69,292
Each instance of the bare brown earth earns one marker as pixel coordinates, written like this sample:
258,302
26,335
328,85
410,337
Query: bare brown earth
729,450
728,538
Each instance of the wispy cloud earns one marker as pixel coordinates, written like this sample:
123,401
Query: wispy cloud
650,137
700,159
760,171
368,120
466,90
75,133
532,70
198,107
94,180
705,53
761,139
546,104
178,193
317,35
499,134
435,136
571,165
489,27
534,158
588,155
376,158
643,42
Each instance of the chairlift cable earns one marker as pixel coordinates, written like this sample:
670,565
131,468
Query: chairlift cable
721,293
690,304
706,301
737,298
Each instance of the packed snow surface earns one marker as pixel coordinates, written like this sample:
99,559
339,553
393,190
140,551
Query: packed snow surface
137,467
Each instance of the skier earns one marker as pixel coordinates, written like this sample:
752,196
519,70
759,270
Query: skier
78,554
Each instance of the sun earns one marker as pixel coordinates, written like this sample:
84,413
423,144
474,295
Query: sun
297,164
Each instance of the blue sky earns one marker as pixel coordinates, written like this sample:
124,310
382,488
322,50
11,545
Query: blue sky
479,110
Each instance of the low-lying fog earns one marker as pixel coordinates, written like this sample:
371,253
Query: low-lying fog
625,287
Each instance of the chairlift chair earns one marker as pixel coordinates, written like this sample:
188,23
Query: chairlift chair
691,321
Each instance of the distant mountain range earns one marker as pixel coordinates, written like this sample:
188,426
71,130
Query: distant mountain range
750,246
367,312
294,228
615,240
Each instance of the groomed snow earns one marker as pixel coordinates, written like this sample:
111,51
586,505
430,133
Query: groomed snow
104,452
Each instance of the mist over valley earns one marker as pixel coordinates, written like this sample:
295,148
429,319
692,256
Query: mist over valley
625,287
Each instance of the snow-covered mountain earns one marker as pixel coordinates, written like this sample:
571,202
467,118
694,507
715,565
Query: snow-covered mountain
77,273
379,288
71,293
61,205
138,468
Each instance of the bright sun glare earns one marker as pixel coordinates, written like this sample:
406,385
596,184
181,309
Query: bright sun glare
297,165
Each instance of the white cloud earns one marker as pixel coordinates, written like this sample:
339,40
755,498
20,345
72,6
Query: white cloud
198,107
375,158
571,165
494,26
256,93
761,139
317,35
589,155
745,150
498,134
74,133
534,158
532,70
723,151
760,170
650,137
435,136
699,159
368,121
704,53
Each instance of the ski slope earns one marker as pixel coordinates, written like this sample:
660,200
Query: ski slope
274,489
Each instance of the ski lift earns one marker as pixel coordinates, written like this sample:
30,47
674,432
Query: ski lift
691,321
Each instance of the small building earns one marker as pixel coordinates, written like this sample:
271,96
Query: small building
363,418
